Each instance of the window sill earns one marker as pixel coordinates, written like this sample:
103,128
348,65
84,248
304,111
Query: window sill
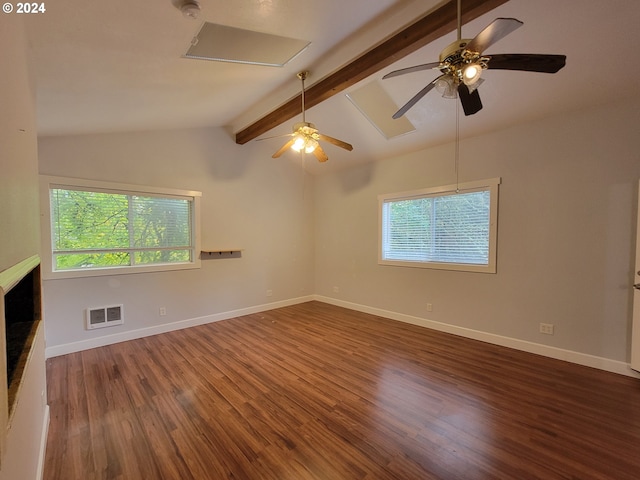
109,271
460,267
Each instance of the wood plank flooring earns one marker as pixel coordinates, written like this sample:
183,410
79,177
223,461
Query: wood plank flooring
314,391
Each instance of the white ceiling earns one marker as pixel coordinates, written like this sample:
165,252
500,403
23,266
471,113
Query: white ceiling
117,66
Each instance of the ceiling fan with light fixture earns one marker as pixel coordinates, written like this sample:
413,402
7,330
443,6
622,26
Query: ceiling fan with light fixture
305,136
462,62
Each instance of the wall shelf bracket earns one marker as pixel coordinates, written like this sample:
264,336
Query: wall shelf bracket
221,253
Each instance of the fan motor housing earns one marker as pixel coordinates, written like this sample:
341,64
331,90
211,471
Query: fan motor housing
305,127
455,56
452,53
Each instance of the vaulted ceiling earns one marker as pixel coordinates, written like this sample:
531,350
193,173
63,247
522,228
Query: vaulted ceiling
120,66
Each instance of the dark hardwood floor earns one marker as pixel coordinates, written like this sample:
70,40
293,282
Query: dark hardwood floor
314,391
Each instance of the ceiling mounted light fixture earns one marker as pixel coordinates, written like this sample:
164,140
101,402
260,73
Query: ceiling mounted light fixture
461,64
305,135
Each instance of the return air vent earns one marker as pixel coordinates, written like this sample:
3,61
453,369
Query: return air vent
101,317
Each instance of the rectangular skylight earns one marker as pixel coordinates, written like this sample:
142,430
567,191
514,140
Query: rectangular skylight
229,44
377,106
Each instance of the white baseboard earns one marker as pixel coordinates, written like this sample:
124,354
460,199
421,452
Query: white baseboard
523,345
601,363
67,348
43,443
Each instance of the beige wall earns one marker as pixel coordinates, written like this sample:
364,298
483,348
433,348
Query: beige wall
248,202
565,237
19,238
19,217
565,234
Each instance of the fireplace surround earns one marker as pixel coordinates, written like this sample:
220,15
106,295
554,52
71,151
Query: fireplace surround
20,315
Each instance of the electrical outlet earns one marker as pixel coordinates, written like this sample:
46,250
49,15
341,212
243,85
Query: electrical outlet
269,293
546,328
162,311
336,289
429,307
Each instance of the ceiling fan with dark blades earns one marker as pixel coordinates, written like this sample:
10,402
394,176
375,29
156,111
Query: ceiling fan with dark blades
462,62
306,137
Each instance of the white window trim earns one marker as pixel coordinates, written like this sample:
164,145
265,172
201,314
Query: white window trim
48,182
467,187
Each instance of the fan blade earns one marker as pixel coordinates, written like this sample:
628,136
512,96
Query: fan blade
498,29
320,155
471,102
335,141
529,62
283,148
275,136
416,68
405,108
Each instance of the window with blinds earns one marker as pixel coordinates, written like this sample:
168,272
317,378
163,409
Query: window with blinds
447,227
96,228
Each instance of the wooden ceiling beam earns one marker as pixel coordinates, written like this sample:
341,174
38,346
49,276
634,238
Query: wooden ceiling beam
422,32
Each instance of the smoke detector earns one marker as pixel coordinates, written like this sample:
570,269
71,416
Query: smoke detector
189,8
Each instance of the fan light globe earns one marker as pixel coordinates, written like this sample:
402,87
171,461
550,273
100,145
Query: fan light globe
298,145
445,85
475,86
471,73
309,144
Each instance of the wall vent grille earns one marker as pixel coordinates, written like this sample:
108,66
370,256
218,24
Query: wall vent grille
100,317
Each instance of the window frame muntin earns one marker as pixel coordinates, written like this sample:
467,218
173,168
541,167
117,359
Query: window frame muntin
47,183
490,184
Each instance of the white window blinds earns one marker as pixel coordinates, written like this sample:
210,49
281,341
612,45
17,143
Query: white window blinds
439,227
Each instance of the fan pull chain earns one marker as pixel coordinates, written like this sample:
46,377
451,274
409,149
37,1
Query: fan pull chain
457,148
